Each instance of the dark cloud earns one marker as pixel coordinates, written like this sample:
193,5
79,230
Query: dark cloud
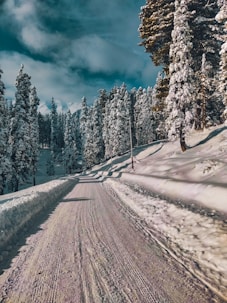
92,43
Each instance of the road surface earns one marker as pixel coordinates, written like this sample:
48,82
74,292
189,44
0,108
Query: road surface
92,249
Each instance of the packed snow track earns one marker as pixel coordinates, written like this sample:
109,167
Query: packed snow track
93,249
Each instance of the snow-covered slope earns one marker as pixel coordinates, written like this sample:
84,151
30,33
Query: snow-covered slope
197,176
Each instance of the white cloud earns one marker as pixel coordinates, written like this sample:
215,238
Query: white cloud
38,40
26,24
100,43
50,80
21,11
99,55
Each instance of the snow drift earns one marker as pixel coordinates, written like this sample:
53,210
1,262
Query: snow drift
18,209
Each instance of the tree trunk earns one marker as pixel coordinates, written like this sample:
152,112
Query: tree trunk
182,139
16,185
1,185
34,181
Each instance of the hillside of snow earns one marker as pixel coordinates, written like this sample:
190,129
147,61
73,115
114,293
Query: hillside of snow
198,175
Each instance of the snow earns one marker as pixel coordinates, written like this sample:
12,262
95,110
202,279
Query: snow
197,176
183,199
19,208
182,196
195,240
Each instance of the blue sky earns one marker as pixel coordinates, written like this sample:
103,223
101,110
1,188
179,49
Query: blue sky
73,48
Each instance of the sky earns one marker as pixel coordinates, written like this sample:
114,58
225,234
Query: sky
73,48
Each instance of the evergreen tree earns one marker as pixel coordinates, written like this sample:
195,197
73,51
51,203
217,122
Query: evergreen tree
107,130
97,123
103,98
5,167
202,20
61,130
83,126
70,154
54,129
19,130
159,94
206,46
50,168
144,118
77,133
180,99
202,116
122,138
88,155
44,122
222,19
155,29
34,131
132,95
116,122
111,123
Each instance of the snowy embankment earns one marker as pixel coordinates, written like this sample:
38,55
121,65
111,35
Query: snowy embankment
194,194
197,241
183,199
18,209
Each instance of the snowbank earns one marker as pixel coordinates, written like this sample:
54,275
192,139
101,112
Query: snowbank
198,242
19,208
197,176
209,196
182,196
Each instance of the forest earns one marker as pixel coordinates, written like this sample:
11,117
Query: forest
187,39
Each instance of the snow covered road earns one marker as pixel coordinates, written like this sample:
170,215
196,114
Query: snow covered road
94,248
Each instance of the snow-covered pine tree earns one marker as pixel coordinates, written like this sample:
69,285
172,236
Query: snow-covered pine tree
159,94
200,115
116,130
83,126
112,122
50,168
221,17
54,129
77,134
19,138
180,99
121,140
70,152
97,122
132,95
118,121
34,131
61,130
5,167
103,98
155,29
143,118
107,131
206,44
88,154
44,122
